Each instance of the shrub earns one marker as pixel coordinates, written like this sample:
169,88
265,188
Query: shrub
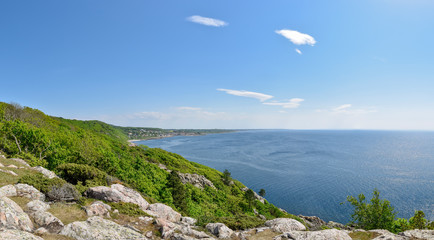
401,225
378,214
418,221
129,209
65,192
75,173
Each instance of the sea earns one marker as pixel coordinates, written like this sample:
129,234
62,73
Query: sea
311,172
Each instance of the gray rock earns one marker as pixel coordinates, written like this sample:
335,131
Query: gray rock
339,226
97,228
169,229
417,233
386,235
45,172
40,231
12,166
131,196
188,220
196,180
117,193
98,208
13,217
1,165
24,190
9,172
313,222
285,225
10,234
316,235
219,230
163,211
8,191
37,205
47,221
19,160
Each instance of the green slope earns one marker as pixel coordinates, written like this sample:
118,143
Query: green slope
50,141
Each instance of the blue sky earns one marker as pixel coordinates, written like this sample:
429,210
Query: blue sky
308,64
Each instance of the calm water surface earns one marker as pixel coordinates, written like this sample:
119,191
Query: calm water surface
311,172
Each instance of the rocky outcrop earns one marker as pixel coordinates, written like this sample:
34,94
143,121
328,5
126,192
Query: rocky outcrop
117,193
188,221
97,228
170,230
285,225
13,217
163,211
313,222
98,208
24,190
339,226
47,221
10,234
196,180
417,233
317,235
8,191
386,235
37,205
219,230
47,173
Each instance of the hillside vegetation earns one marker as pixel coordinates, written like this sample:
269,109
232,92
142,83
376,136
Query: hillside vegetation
74,149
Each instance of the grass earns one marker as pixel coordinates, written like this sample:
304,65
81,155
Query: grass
6,178
49,236
123,220
264,235
21,201
363,235
68,213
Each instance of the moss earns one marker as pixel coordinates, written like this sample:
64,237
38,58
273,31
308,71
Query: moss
129,209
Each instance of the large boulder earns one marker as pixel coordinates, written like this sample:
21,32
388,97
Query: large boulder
11,234
316,235
285,225
313,222
45,172
219,230
24,190
98,208
97,228
47,221
417,233
117,193
37,205
170,230
8,191
13,217
196,180
163,211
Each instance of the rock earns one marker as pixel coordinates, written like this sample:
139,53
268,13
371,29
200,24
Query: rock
17,235
97,228
169,230
9,172
257,197
219,230
98,208
8,191
13,217
188,220
12,166
2,156
317,235
19,160
37,205
313,222
386,235
338,226
196,180
47,221
40,231
163,211
24,190
1,165
131,196
261,229
416,233
285,225
149,234
146,219
117,193
179,236
45,172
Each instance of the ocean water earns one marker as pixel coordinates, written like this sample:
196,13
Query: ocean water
310,172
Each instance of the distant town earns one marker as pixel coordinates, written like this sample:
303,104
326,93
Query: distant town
137,133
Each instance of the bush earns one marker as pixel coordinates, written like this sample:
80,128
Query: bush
129,209
418,221
378,214
74,173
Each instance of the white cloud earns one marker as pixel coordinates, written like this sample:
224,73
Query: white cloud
292,103
207,21
348,109
296,37
342,108
241,93
298,51
189,108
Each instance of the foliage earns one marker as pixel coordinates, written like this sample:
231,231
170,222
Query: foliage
227,177
65,192
178,191
418,221
250,197
401,225
40,182
75,173
262,192
377,214
129,209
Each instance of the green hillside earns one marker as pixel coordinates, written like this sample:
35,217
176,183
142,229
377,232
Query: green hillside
52,141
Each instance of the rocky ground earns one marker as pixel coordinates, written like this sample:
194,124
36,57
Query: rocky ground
26,214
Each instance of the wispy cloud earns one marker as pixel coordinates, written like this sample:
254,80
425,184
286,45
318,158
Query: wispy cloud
207,21
292,103
242,93
298,51
342,108
189,108
350,110
296,37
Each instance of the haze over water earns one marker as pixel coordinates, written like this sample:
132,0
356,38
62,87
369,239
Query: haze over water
310,172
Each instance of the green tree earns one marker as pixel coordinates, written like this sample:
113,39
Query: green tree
262,192
418,221
178,191
376,214
227,177
250,197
